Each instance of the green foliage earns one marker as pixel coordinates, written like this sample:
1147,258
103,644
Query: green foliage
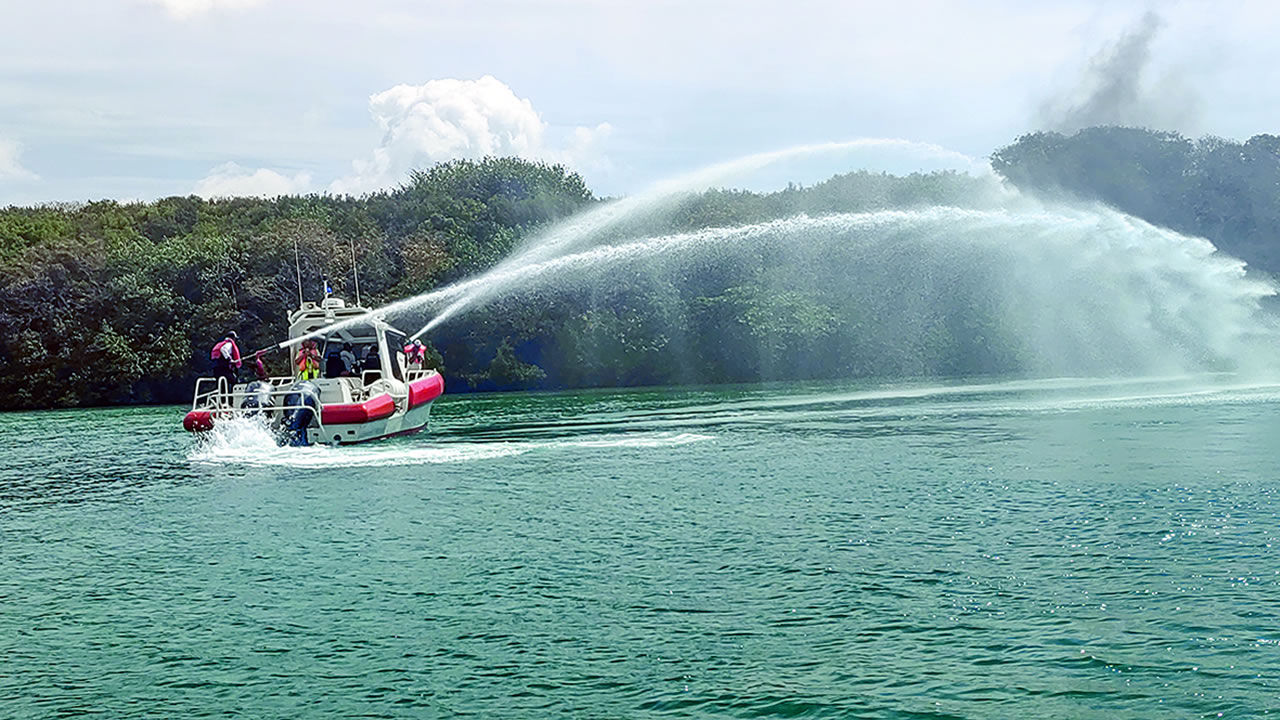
106,303
508,373
432,359
23,228
461,217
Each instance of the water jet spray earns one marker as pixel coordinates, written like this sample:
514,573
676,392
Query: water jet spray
568,234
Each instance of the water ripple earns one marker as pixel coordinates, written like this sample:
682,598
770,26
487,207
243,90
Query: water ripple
1043,549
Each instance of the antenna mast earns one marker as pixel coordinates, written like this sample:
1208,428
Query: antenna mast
297,265
355,274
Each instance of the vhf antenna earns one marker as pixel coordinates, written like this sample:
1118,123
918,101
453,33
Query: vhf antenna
297,266
355,274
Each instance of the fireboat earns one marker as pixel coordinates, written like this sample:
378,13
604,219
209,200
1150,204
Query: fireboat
380,395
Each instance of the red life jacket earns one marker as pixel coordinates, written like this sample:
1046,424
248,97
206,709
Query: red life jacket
216,353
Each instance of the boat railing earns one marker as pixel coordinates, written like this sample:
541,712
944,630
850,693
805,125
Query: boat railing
213,395
414,374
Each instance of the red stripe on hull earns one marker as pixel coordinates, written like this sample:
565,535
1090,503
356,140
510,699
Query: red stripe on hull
426,389
345,414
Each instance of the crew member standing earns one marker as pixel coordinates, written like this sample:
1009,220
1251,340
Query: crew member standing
226,359
416,355
307,361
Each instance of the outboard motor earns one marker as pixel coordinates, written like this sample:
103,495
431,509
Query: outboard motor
257,399
303,403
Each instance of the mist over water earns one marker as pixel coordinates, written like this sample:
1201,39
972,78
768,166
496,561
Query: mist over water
1057,290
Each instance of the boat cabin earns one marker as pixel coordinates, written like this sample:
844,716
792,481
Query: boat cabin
377,350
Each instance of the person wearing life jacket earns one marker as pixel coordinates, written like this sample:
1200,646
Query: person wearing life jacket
307,361
226,358
416,355
259,367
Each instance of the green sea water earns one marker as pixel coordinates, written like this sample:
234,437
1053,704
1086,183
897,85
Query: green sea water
981,549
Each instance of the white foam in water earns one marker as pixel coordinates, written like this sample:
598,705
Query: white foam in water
639,442
235,436
244,442
1244,394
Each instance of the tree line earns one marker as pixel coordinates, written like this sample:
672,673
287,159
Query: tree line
110,303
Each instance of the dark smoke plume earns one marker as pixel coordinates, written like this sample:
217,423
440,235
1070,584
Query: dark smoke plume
1114,90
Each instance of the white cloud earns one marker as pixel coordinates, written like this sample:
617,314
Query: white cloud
99,116
183,9
449,119
232,180
10,167
584,150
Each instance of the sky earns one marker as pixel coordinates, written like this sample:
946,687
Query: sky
140,99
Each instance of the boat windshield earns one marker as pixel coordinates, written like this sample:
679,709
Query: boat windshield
348,350
395,345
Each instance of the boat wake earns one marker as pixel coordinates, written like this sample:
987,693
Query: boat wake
249,443
805,410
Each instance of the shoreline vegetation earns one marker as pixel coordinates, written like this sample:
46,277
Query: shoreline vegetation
104,303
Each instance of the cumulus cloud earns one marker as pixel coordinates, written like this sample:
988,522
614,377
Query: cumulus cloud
1115,89
232,180
10,167
448,119
183,9
585,150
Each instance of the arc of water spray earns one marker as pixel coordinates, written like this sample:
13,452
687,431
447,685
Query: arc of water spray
1157,320
1155,279
564,236
612,254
